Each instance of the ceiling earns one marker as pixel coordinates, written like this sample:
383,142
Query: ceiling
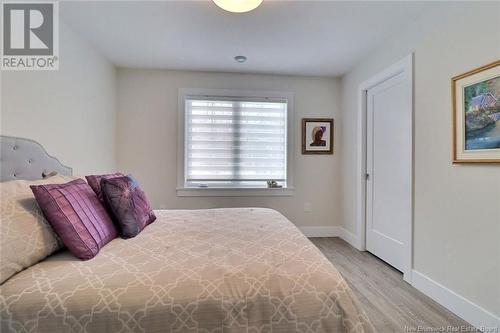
322,38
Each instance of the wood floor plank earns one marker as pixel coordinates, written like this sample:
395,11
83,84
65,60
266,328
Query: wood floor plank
392,304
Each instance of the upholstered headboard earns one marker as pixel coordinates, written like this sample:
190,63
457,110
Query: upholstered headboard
27,159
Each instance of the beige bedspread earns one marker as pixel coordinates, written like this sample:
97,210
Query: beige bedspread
219,270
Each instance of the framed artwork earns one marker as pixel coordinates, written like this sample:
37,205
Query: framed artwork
317,136
476,115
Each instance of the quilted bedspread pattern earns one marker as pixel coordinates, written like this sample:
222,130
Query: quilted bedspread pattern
214,270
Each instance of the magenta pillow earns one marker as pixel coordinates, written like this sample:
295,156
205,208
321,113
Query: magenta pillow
128,204
77,216
95,182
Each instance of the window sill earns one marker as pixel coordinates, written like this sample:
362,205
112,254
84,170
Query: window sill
235,192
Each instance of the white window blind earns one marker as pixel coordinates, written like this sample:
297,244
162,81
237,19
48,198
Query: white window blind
235,143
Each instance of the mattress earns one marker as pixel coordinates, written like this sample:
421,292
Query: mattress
215,270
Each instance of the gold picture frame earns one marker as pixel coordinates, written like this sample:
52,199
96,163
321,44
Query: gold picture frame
317,136
476,115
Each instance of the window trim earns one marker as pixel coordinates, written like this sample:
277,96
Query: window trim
183,191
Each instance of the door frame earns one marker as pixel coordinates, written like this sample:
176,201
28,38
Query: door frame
405,65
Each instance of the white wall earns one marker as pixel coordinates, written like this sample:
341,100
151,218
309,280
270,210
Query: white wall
147,139
71,112
456,208
457,211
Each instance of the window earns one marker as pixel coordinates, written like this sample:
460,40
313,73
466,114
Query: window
235,142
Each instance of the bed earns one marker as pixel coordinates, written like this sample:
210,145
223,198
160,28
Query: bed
211,270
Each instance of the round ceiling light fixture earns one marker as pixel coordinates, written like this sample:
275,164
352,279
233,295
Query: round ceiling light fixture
240,58
238,6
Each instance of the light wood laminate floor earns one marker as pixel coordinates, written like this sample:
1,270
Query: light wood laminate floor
391,304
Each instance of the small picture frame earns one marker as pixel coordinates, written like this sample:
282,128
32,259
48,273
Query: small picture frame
317,136
476,115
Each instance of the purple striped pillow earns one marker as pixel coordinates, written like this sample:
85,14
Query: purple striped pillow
128,204
95,182
77,216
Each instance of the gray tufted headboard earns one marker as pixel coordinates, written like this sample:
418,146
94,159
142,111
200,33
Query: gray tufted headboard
27,159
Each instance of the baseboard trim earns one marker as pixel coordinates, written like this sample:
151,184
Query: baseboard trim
312,232
331,231
350,238
459,305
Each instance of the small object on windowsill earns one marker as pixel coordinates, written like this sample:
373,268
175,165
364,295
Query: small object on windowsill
203,185
273,184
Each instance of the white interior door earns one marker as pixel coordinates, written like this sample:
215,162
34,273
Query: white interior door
389,170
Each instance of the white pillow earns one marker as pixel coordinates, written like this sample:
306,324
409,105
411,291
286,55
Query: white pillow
25,236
